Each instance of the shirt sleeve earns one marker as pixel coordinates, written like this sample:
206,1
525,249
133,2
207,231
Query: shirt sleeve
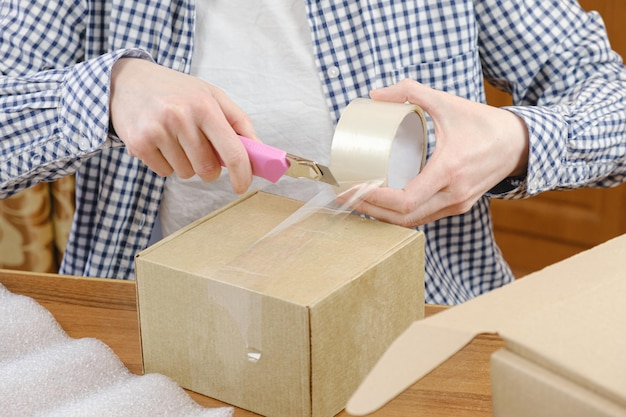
567,85
51,120
54,104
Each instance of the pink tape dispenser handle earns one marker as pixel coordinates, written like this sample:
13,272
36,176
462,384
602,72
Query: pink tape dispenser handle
267,162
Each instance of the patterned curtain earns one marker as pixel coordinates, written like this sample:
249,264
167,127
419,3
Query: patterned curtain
34,226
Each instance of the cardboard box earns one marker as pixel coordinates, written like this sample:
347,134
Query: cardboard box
524,388
565,333
282,325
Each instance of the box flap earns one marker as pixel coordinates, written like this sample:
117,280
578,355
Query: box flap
569,317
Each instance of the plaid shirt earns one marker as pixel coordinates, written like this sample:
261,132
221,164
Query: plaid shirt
567,84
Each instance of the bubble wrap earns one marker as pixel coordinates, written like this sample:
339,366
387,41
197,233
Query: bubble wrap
46,373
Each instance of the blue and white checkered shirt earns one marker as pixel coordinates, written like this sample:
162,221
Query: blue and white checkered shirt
567,84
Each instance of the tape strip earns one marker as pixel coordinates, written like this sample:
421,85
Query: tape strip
261,263
376,139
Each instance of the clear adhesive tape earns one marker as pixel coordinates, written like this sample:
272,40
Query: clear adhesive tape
378,140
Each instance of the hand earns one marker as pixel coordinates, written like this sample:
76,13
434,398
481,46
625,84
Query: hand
477,146
178,123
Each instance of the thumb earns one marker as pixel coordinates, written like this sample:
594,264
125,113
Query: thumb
411,91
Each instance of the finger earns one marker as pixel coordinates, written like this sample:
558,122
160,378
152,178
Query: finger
235,116
421,188
390,93
155,161
177,158
202,157
226,143
422,199
431,210
427,98
228,148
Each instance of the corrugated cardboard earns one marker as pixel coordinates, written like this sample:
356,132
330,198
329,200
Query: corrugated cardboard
565,334
286,325
522,388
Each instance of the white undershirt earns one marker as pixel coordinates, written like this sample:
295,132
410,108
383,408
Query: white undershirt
261,54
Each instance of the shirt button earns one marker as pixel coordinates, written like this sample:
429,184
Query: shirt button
83,144
333,72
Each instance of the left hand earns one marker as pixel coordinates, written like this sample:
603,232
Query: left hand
477,146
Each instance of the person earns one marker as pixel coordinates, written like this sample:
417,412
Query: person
138,99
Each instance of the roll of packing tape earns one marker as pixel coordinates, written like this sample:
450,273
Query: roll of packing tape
376,140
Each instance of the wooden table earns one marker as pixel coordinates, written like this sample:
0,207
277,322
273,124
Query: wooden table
106,309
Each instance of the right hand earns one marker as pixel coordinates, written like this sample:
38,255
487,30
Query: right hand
174,122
